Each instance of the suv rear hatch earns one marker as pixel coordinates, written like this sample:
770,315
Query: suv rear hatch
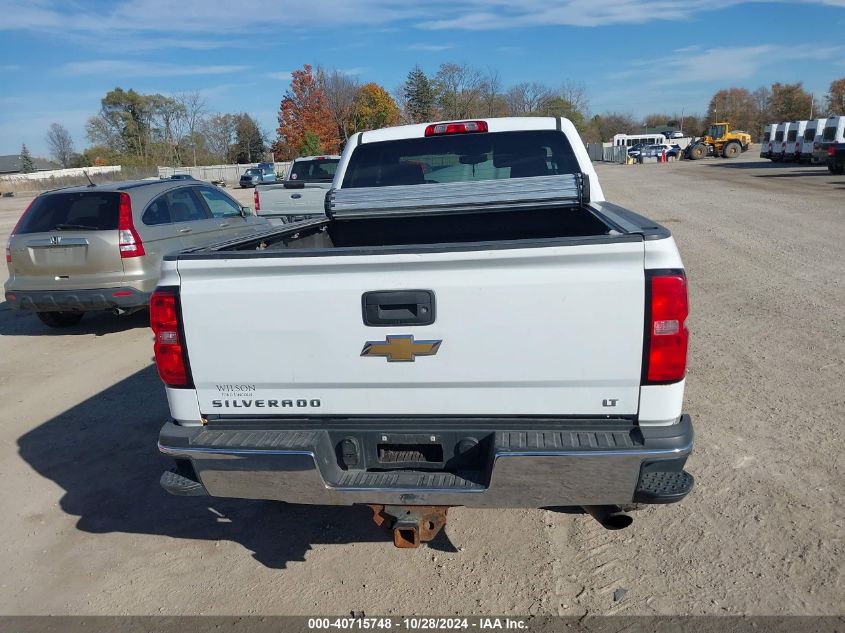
68,241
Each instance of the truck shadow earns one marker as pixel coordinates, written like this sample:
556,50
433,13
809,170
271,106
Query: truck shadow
103,454
18,323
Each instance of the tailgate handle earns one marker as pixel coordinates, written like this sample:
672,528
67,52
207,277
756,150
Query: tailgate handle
398,307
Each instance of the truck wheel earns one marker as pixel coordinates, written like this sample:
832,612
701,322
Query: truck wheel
698,151
60,319
732,150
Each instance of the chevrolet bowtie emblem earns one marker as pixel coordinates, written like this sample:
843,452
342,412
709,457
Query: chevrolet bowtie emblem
400,348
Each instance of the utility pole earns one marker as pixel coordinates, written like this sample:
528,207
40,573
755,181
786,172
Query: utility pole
812,100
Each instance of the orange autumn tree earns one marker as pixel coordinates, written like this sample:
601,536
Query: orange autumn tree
304,108
374,108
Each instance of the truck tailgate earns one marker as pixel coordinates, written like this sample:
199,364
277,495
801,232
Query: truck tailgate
556,330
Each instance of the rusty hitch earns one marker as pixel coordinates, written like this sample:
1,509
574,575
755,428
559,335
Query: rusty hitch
411,525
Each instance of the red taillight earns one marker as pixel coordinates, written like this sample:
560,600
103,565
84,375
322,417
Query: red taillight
15,230
129,242
256,201
831,150
170,354
667,334
458,127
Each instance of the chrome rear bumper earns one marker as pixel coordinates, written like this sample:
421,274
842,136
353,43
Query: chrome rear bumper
569,465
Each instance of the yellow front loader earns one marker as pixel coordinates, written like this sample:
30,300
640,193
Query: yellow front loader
719,140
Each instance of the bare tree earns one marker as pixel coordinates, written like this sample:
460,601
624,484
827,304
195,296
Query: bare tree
193,112
576,95
458,90
340,92
60,144
527,98
219,133
492,100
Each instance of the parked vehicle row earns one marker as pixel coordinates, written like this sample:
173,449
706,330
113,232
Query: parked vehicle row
805,141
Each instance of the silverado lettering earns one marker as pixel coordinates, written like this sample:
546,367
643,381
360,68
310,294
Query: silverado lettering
265,403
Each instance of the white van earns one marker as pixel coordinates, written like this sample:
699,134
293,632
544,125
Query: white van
834,132
766,141
779,142
794,138
812,134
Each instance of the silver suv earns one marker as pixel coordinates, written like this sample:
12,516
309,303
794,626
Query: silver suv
83,249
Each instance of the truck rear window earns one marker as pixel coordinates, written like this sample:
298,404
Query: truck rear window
460,158
317,170
829,133
81,211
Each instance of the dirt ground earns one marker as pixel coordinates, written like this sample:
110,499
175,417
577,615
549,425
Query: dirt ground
87,530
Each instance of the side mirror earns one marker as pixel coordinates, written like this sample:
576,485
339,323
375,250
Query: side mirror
246,212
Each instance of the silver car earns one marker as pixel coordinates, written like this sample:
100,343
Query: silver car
99,248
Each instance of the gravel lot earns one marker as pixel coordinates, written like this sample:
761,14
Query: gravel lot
88,530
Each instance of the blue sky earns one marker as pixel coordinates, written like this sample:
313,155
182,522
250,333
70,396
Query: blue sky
58,58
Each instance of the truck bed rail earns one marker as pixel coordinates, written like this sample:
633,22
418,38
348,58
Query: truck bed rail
458,197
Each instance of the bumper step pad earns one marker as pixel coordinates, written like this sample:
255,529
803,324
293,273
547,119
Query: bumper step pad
176,484
663,487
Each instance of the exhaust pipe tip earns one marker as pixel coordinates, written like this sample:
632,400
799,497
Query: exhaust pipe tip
610,517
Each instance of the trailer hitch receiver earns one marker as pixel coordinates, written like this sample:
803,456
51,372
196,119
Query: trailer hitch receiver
410,525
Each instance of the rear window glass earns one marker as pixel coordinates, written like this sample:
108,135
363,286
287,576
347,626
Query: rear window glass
809,134
314,170
82,211
793,134
779,135
460,158
829,133
766,137
253,172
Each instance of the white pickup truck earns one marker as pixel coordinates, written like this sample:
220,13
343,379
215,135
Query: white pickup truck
472,324
302,195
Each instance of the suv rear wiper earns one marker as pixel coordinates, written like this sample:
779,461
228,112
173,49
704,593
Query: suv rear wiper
71,227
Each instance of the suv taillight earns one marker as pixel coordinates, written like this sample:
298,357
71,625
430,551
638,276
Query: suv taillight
256,201
170,354
129,242
15,230
667,335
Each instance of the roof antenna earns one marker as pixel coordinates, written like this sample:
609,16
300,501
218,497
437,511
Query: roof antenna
92,183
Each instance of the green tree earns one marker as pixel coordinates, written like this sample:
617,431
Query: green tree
419,96
374,108
310,144
27,164
249,140
560,107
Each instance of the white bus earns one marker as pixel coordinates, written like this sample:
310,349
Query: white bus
628,140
